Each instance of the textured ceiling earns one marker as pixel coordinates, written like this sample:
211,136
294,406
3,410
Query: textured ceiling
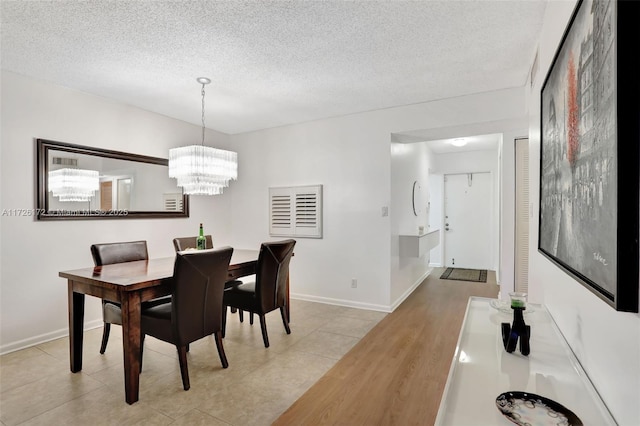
272,63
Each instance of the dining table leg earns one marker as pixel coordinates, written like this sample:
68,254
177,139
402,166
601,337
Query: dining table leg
76,327
131,344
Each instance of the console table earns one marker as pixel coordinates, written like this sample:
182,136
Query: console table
481,370
420,244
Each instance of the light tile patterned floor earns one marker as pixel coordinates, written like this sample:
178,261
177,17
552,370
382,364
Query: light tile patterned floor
37,388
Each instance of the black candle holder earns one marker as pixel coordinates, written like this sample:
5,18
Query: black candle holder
518,331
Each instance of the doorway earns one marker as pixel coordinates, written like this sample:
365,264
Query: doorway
468,220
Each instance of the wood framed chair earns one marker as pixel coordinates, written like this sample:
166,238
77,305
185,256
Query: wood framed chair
120,252
269,290
195,309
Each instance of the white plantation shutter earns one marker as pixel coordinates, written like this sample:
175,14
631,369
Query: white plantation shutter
173,201
295,211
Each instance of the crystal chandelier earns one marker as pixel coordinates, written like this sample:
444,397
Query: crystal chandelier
73,184
202,170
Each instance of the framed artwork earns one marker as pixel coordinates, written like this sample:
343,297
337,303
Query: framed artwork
590,134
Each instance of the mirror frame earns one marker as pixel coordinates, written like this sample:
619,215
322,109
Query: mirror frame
42,152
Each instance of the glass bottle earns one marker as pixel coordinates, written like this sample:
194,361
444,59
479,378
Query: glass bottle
201,242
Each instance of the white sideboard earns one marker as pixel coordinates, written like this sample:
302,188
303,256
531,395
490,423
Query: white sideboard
481,370
419,245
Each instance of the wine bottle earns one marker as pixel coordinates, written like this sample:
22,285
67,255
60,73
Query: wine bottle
201,242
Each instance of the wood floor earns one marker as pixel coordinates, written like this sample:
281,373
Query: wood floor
396,374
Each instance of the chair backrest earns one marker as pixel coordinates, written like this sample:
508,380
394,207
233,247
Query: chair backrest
108,253
198,286
272,272
191,242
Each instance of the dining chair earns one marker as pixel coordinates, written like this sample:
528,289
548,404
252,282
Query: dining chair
268,291
195,309
120,252
185,243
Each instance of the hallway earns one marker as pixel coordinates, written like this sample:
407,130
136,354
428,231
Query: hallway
396,374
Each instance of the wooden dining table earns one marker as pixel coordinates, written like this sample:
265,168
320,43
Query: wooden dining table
130,284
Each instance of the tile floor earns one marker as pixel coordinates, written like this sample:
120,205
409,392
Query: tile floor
37,388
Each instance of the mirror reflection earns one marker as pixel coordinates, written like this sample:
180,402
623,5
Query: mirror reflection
78,181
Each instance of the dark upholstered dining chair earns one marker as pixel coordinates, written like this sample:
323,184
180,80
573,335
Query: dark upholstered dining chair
195,309
110,253
185,243
269,290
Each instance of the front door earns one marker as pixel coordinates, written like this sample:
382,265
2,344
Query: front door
468,220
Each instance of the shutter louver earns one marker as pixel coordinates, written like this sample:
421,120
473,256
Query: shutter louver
281,211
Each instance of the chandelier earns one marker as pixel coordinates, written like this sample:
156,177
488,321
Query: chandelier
73,184
202,170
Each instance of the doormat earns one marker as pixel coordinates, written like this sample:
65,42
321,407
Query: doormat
461,274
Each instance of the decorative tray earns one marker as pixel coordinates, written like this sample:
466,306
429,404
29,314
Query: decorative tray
504,306
523,408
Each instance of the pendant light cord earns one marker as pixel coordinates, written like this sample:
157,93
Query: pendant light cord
203,113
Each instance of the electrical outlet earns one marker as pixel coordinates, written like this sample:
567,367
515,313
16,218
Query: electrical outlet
354,283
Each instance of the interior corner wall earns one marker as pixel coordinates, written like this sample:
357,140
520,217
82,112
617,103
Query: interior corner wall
506,278
409,163
33,299
606,342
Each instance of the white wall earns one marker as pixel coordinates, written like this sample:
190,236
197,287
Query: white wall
351,157
33,297
606,342
436,215
409,163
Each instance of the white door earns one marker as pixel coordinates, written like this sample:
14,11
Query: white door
468,220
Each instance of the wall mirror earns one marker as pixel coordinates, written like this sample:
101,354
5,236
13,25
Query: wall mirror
81,182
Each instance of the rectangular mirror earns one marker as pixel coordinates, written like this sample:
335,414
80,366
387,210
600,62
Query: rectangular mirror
81,182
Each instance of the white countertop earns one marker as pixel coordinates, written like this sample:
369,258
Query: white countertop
481,370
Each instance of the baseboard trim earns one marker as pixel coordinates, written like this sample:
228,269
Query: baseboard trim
410,290
360,305
43,338
341,302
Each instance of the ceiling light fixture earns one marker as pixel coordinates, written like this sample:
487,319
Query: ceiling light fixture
73,184
202,170
459,142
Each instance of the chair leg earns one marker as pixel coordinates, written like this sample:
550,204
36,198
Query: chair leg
251,318
285,320
224,320
105,337
263,327
241,315
184,371
223,357
233,309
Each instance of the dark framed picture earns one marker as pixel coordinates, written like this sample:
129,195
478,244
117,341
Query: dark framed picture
590,134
